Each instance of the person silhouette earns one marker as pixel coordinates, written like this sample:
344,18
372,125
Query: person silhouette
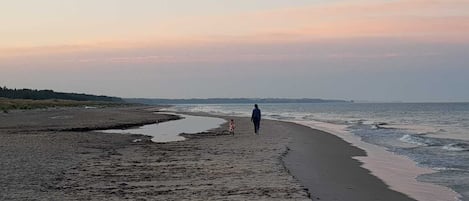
256,118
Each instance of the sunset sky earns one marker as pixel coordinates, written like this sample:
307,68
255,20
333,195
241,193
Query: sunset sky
377,50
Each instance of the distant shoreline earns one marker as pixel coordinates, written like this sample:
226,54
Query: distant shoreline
149,101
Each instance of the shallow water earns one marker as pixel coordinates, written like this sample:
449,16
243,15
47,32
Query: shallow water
169,131
432,135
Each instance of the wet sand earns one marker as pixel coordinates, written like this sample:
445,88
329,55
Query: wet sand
54,155
323,163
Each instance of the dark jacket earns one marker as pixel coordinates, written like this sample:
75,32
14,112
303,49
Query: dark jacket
256,115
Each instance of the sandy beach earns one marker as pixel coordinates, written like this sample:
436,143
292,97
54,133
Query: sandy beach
54,154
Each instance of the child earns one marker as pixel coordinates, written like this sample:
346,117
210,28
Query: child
232,127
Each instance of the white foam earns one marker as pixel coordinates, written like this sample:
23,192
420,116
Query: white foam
412,140
137,140
447,169
456,147
368,122
210,109
417,129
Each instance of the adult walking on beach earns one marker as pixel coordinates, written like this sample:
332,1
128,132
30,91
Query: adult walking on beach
256,118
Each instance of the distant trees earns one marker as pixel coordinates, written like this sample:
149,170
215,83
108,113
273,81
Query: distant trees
49,94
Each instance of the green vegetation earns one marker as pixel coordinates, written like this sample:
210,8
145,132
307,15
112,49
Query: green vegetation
49,94
24,104
25,99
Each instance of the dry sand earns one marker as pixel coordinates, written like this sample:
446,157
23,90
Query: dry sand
44,157
36,154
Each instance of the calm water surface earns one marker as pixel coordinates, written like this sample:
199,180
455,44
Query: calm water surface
169,131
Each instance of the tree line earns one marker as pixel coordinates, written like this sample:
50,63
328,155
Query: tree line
34,94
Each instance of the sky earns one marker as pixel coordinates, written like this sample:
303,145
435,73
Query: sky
375,50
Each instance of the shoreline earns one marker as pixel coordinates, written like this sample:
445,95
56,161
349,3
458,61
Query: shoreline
210,165
400,176
396,171
338,191
336,174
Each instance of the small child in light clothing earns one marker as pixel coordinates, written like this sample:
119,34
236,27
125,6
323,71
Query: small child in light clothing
232,127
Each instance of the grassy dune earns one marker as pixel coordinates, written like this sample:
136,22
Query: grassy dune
25,104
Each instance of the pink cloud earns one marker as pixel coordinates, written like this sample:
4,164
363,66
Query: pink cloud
415,19
445,21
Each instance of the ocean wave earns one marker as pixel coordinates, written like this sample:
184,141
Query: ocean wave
418,140
380,125
447,169
280,117
308,117
366,122
416,129
376,126
324,120
372,124
456,147
332,121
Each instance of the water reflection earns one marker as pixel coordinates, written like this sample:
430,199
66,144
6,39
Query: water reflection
169,131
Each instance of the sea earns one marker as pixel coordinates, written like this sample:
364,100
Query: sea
434,136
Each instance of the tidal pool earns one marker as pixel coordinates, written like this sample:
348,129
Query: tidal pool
169,131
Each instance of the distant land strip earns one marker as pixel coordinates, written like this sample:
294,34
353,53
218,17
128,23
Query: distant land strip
149,101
